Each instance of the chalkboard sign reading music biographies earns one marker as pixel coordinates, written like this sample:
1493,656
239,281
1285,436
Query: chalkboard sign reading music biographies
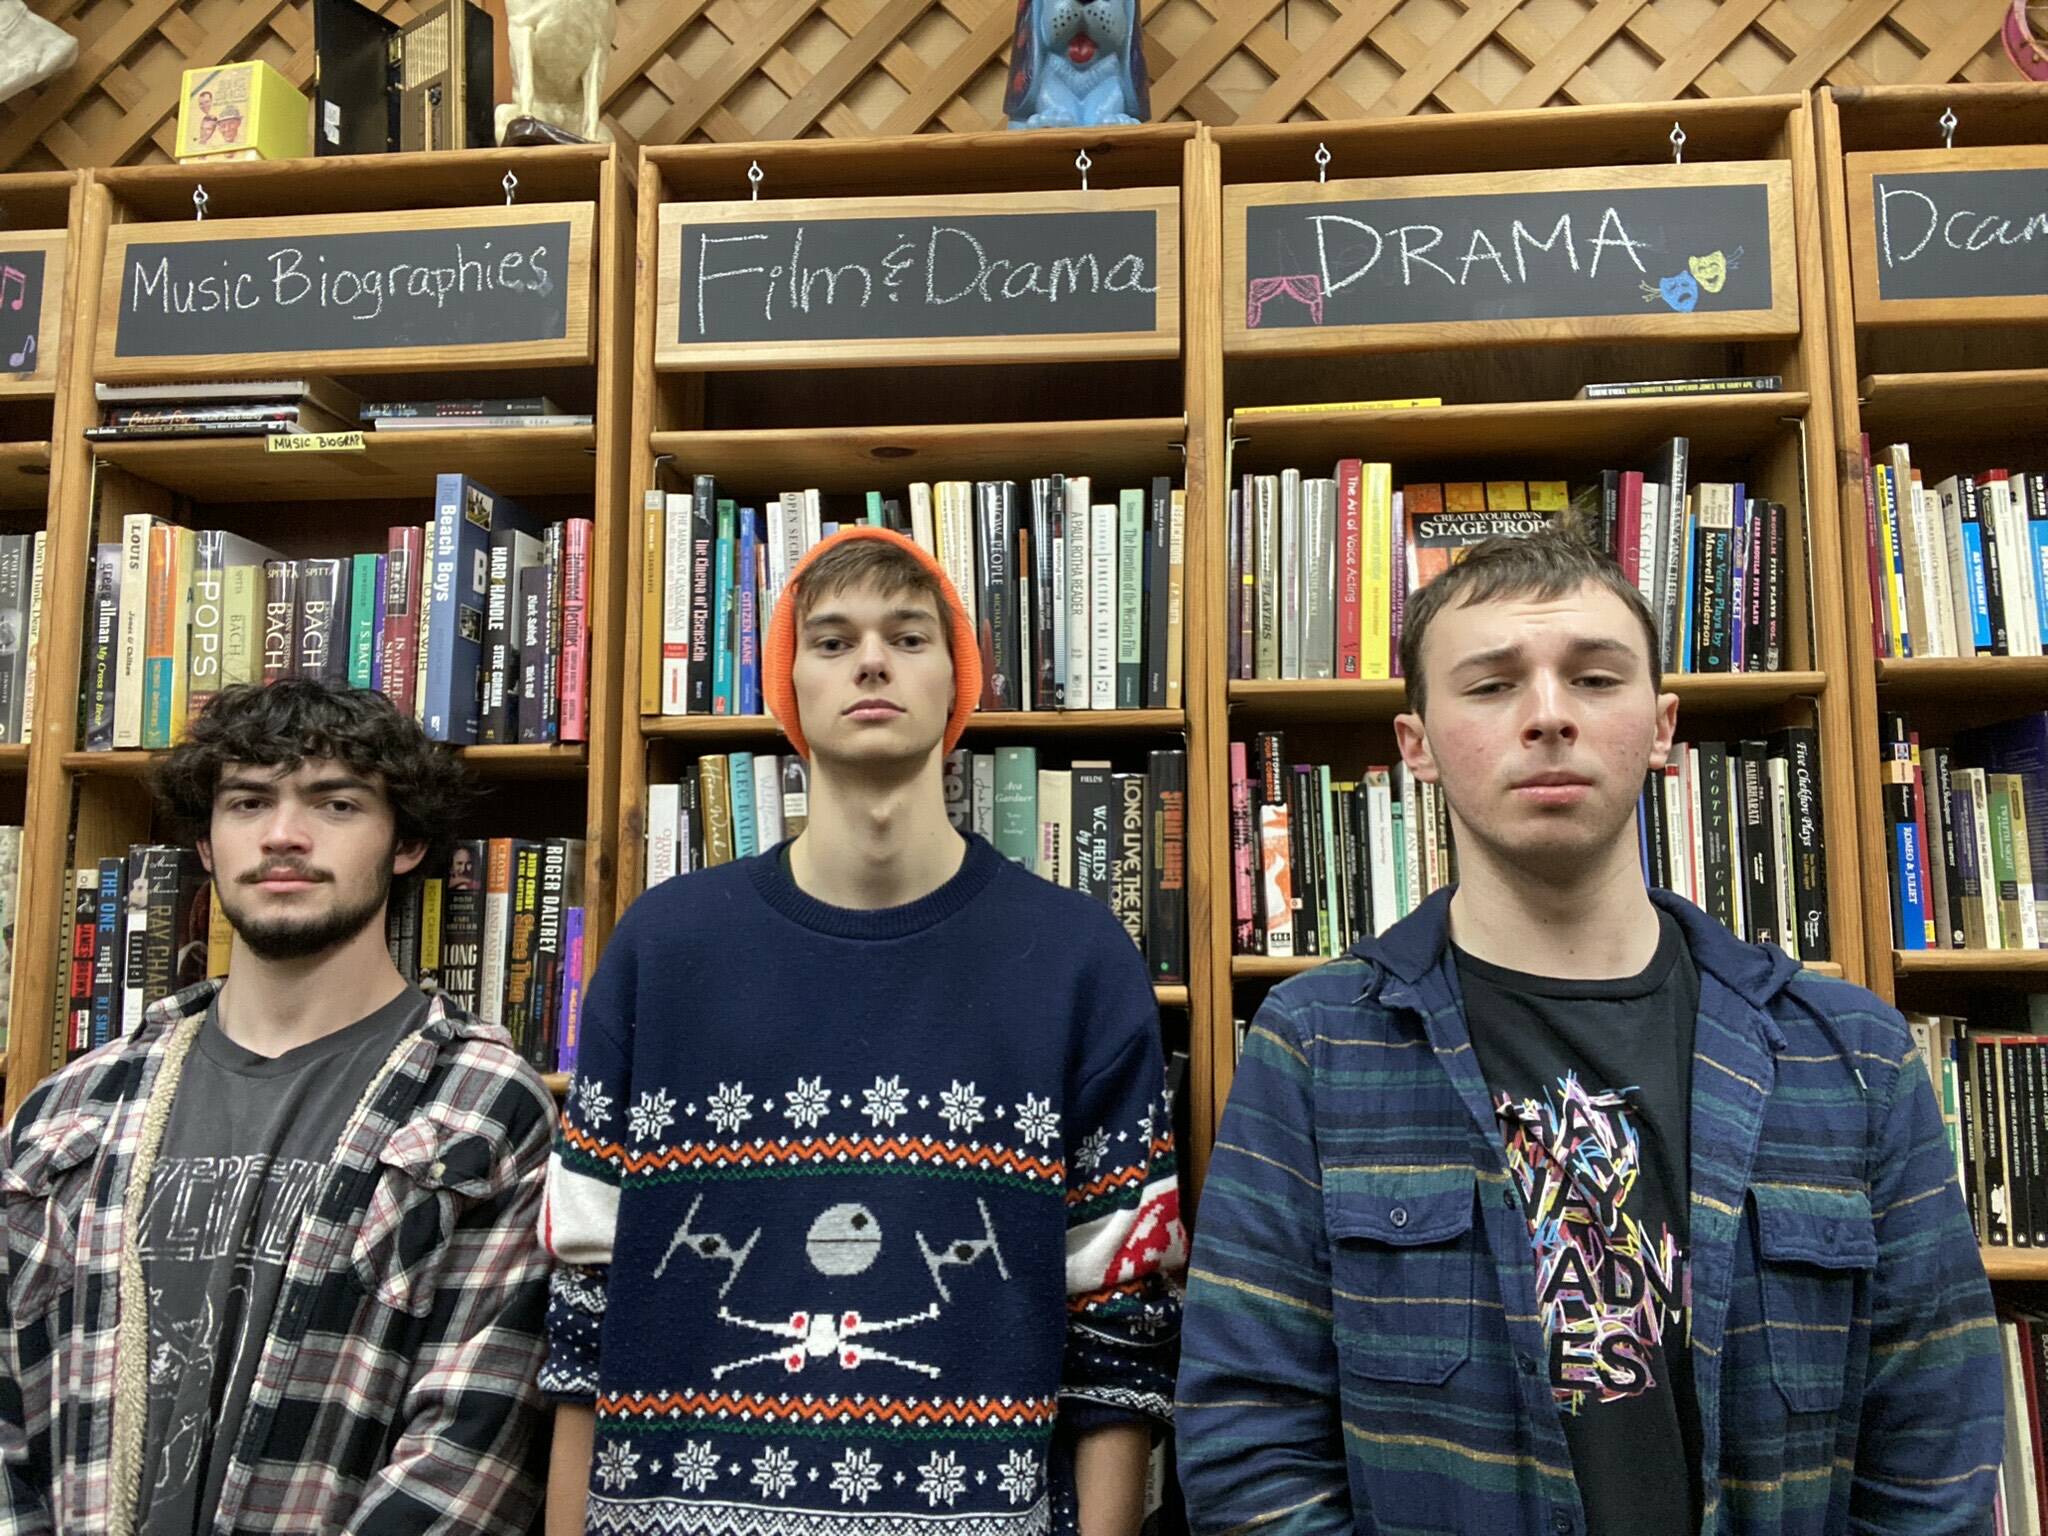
433,288
1931,230
31,308
901,280
1672,250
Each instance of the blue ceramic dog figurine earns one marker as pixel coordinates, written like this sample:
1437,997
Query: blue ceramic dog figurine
1076,64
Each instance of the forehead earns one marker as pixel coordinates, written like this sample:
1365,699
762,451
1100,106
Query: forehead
1535,624
867,596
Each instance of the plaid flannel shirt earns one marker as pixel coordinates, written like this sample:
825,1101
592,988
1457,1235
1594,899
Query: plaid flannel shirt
397,1387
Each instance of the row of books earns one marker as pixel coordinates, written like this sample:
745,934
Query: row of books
478,623
1076,598
1990,1075
1966,835
1318,860
2021,1505
1959,568
10,888
1120,837
21,621
1321,569
188,408
1738,829
500,930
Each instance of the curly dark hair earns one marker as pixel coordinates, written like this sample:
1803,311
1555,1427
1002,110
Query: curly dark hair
285,723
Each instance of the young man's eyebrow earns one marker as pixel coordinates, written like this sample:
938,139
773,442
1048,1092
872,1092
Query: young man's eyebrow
830,618
242,782
1587,645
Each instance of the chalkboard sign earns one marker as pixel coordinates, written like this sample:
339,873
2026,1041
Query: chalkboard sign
1929,230
444,288
1695,251
31,310
899,280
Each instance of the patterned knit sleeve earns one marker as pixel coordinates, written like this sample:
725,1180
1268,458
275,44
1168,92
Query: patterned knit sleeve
1124,1235
580,1211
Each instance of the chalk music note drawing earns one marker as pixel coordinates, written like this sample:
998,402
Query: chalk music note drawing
26,357
13,280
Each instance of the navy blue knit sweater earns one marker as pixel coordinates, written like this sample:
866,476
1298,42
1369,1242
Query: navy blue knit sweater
849,1206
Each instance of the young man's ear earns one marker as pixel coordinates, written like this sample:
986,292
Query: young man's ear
1667,730
1414,742
205,847
405,858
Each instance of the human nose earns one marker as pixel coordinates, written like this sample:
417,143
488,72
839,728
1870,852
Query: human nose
1550,711
872,659
285,827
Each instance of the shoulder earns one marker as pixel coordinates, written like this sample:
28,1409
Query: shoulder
671,913
480,1082
1302,1009
91,1087
1828,1016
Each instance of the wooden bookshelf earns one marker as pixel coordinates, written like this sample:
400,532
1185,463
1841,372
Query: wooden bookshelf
2015,1263
24,476
87,805
1952,403
1509,411
2028,966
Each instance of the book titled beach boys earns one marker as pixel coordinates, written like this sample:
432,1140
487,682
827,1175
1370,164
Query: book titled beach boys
458,596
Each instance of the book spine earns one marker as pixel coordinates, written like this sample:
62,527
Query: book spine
84,950
1276,878
462,924
1809,845
1158,573
739,789
725,609
448,588
747,683
133,626
1130,602
281,581
1244,507
1380,584
714,796
1047,613
162,614
552,567
497,924
702,664
1176,598
98,734
675,610
530,605
1873,550
1094,830
1350,567
981,797
1017,805
1166,935
657,601
1130,877
208,608
497,717
362,620
404,555
522,937
1102,605
544,988
1077,517
1243,889
569,1020
320,591
1318,587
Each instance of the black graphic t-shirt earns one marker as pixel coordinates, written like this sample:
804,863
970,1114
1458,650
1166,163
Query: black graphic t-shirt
1592,1081
246,1150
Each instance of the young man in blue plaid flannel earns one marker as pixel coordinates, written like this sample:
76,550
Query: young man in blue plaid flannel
1556,1209
269,1259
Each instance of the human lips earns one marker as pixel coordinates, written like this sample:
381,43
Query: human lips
284,879
872,709
1553,788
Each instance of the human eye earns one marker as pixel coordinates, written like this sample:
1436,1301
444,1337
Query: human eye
1600,681
912,639
342,807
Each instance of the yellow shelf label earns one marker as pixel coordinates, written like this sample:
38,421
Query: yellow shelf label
314,442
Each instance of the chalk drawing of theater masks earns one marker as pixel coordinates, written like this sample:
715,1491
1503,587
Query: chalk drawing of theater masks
1709,271
844,1241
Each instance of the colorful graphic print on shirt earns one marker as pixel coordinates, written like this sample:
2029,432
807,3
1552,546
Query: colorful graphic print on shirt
1608,1287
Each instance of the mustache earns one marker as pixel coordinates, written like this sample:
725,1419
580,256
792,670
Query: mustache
283,872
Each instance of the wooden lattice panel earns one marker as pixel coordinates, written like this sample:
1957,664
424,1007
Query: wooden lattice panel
768,69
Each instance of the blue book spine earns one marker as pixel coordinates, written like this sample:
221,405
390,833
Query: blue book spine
362,621
1906,890
1980,595
739,790
377,645
2037,531
106,985
459,573
724,694
749,615
569,1020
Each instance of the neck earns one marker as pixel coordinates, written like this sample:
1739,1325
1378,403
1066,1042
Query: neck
875,840
1590,924
273,1006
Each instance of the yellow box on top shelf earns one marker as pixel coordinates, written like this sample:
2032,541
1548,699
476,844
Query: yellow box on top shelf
242,112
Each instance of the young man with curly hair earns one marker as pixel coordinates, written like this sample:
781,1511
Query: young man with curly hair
1555,1209
865,1191
269,1261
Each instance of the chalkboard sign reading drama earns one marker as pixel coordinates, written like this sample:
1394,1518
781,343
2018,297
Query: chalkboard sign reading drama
1619,246
897,279
350,286
1943,227
31,310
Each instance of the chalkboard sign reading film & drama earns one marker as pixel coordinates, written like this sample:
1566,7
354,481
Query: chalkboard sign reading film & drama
1674,250
897,280
441,287
31,289
1933,229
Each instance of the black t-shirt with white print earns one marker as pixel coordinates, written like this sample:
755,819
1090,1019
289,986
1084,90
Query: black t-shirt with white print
1592,1084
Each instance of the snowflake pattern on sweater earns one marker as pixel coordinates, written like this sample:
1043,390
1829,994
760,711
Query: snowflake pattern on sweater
836,1269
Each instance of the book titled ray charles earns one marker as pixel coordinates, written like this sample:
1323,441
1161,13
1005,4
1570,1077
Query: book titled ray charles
379,86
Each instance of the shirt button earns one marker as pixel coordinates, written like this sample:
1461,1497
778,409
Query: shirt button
1398,1215
438,1170
1561,1522
1528,1365
1507,1199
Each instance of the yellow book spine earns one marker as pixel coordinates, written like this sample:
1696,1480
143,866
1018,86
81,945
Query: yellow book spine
430,929
241,617
1376,568
1886,527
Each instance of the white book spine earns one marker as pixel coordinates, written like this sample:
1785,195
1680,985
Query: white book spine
1319,551
1649,578
2013,560
921,517
664,808
675,604
1678,854
1941,598
1971,782
1056,825
1292,559
1933,593
2023,567
1077,616
1780,772
957,544
775,552
1695,825
814,513
1410,873
134,606
490,1000
767,800
1102,531
1379,831
35,630
982,799
1950,510
1266,578
1738,901
795,519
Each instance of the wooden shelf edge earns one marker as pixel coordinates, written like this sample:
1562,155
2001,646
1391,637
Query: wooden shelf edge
1784,402
2015,1263
683,441
13,759
1970,962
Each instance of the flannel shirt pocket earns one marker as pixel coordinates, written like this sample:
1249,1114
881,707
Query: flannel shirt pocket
426,1174
42,1192
1402,1258
1816,1250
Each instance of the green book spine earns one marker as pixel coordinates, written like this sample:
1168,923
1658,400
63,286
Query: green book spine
874,509
1326,922
1130,601
745,826
1400,859
1017,805
362,621
2002,863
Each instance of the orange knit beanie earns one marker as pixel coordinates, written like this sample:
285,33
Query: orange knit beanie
778,651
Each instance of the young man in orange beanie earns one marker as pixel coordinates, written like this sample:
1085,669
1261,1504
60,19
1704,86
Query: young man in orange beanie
864,1192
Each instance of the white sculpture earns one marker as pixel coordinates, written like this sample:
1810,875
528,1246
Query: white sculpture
31,49
559,52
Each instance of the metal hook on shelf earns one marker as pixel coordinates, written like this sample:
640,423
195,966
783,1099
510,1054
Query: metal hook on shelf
755,176
199,201
1948,128
1677,144
1322,162
1082,164
511,186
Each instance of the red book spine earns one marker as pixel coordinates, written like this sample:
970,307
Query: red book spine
405,551
1628,535
1350,559
576,630
1244,912
85,943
